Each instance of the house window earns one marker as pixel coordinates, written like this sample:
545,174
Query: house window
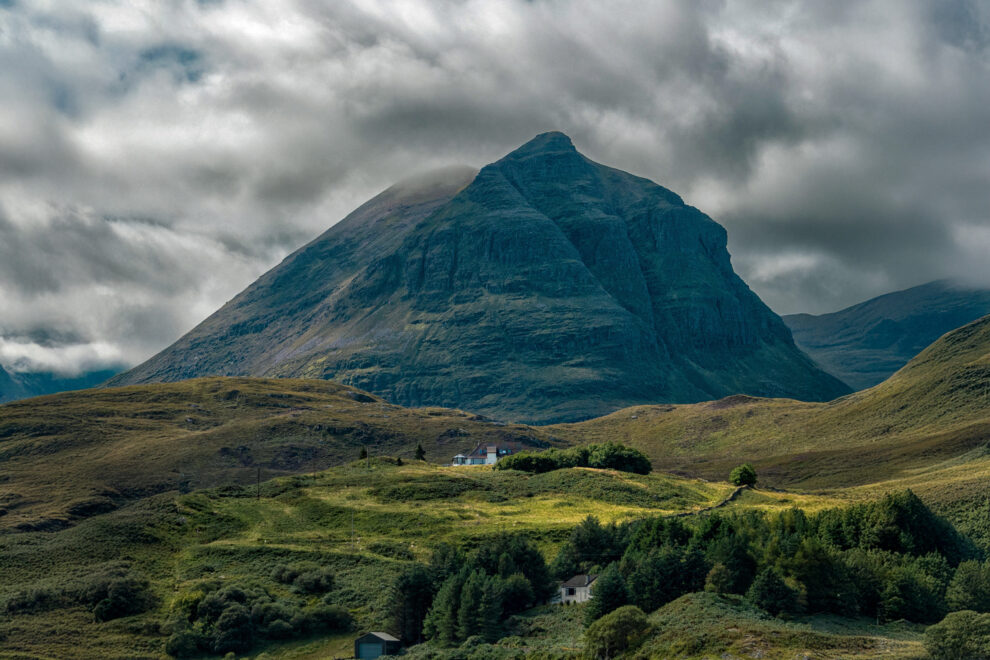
570,591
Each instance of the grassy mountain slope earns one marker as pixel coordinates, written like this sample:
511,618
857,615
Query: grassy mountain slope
922,419
111,446
94,460
365,521
118,444
546,288
866,343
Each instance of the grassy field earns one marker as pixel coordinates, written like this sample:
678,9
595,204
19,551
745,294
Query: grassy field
365,521
161,481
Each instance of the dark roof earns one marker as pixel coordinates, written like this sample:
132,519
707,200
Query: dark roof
580,581
384,636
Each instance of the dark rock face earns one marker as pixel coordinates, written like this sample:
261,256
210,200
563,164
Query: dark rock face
545,288
866,343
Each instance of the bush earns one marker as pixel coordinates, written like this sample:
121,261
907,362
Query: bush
305,577
769,592
233,630
607,456
618,632
743,475
963,634
183,644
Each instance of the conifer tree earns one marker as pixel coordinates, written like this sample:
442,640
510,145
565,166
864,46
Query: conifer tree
420,454
608,593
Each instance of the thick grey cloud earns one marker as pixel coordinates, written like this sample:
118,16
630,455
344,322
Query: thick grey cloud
155,157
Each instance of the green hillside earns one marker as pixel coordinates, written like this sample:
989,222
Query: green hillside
113,446
363,521
918,424
153,490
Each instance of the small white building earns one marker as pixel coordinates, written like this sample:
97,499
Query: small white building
486,454
577,589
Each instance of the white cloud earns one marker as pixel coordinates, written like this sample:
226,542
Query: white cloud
155,157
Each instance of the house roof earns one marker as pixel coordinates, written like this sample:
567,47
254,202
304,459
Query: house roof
580,581
481,451
384,636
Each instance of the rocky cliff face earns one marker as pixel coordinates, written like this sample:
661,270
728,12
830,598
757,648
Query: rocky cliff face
545,288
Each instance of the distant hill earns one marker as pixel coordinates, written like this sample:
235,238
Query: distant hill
14,386
544,288
864,344
119,444
927,426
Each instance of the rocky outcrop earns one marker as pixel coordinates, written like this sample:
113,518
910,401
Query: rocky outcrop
545,288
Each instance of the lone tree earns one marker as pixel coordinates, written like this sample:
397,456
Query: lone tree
363,455
420,454
744,475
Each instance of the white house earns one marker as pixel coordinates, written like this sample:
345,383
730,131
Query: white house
577,589
486,454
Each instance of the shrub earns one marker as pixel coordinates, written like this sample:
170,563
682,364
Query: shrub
743,475
610,455
608,593
305,577
233,630
616,633
963,634
970,587
183,644
769,592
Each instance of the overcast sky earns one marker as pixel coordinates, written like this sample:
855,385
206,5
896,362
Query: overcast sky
156,157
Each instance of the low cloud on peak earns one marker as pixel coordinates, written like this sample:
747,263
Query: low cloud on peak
156,157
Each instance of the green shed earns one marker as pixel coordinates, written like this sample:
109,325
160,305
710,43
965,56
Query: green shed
375,644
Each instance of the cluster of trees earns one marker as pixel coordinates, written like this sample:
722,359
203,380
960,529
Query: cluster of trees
111,592
459,595
609,455
234,619
891,559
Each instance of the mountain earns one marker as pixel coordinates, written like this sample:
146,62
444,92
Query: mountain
864,344
14,386
10,389
545,288
926,427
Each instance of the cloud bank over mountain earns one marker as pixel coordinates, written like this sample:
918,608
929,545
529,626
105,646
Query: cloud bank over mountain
156,157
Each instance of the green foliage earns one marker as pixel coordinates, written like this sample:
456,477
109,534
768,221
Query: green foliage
743,475
769,592
970,587
305,577
363,454
898,523
606,456
964,634
504,575
235,618
608,593
112,591
420,453
617,632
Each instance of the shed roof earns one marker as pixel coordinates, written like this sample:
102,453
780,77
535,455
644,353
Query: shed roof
384,636
580,581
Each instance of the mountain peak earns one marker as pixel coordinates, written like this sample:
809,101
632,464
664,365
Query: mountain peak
545,143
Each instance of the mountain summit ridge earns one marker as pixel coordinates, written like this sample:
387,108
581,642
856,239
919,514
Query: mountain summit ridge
546,287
